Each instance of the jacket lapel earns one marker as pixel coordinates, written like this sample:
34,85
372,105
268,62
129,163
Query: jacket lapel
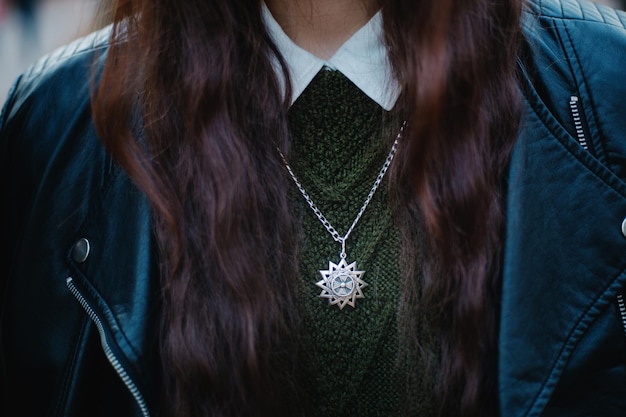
564,259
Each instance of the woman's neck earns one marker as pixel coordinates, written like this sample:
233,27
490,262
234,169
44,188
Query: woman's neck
321,26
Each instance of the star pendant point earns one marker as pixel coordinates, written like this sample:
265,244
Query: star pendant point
342,284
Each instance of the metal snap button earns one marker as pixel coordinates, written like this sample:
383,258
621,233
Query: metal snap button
81,250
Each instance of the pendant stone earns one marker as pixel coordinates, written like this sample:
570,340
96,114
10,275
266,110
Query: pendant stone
342,283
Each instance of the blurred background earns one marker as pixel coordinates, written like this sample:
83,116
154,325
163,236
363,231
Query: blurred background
32,28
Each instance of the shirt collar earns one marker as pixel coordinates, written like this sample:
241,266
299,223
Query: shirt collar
362,59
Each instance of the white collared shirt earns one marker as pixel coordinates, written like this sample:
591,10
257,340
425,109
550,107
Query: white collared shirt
362,59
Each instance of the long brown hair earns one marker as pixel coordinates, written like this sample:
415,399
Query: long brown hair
190,106
457,61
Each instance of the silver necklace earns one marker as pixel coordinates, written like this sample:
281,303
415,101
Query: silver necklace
342,282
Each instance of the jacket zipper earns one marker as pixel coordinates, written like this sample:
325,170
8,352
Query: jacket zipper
119,368
622,310
578,124
582,140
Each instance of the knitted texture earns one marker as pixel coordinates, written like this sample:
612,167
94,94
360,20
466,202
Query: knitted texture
341,139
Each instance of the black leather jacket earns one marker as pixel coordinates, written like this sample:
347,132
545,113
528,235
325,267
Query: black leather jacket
79,295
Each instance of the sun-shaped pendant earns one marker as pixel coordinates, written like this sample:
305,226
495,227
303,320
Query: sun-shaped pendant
342,283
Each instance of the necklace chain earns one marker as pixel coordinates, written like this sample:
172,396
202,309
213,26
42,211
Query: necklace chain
342,282
329,227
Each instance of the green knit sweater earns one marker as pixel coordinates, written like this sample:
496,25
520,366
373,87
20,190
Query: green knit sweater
340,141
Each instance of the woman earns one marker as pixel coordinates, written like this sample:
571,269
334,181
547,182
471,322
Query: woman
319,208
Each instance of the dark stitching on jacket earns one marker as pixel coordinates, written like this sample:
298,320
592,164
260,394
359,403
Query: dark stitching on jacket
568,347
69,365
599,136
539,12
548,124
585,320
595,6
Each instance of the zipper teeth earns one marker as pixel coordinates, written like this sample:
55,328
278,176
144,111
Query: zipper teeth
622,310
578,124
107,349
580,134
